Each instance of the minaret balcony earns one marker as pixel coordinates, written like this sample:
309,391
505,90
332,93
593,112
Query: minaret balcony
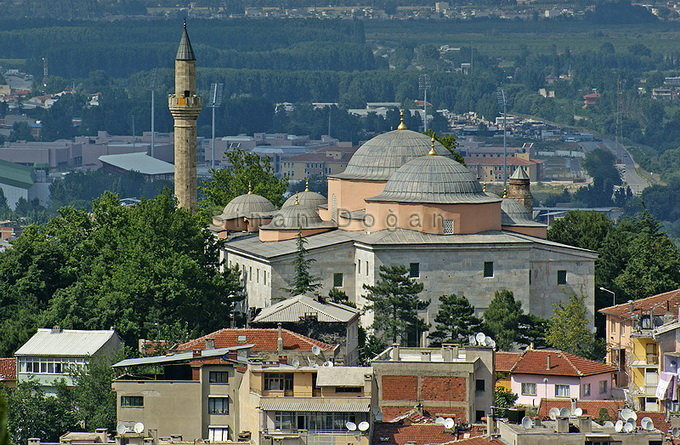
175,101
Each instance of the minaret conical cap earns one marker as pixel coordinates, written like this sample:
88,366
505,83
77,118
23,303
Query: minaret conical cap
185,51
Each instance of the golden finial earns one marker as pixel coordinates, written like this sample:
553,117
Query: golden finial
432,151
402,125
250,188
505,193
297,199
307,184
484,187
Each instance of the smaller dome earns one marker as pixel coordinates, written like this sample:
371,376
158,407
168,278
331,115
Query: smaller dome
248,205
515,214
296,217
307,199
433,179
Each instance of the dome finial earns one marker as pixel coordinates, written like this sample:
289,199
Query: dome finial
484,187
297,199
402,125
432,151
250,188
505,193
307,184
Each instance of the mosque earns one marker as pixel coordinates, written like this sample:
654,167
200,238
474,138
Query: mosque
400,201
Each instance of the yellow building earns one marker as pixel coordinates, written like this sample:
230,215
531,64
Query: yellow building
321,162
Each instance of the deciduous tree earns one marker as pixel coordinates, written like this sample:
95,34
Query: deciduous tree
569,329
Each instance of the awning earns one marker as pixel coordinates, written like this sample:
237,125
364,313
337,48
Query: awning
665,381
327,405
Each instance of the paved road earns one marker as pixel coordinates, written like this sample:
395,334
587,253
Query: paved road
630,177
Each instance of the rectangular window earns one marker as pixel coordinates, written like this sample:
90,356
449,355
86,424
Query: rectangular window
488,269
585,389
480,385
218,377
218,434
448,226
278,381
604,386
218,405
528,389
561,277
479,415
561,390
414,270
131,401
348,389
358,267
337,279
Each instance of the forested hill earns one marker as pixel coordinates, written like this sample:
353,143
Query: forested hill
122,48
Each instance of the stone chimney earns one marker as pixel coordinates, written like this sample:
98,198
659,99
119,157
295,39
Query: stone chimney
279,339
585,425
56,329
34,441
395,352
196,353
562,425
447,352
425,356
547,362
210,343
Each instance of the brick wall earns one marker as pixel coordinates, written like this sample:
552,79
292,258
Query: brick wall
443,388
399,387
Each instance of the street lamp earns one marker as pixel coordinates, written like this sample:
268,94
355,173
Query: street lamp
611,292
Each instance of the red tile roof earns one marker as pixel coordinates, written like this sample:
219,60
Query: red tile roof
8,368
535,361
661,303
480,440
418,434
506,360
660,420
590,407
262,339
498,160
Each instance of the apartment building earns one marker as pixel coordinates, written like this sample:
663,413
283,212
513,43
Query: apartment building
320,162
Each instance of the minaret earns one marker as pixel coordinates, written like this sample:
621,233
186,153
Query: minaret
519,188
185,106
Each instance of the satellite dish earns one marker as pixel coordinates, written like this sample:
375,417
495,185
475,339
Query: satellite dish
472,340
554,413
328,364
565,412
628,414
449,423
647,423
527,423
578,412
121,429
138,428
316,350
480,337
628,427
296,363
490,342
364,426
351,426
439,421
675,432
618,426
608,424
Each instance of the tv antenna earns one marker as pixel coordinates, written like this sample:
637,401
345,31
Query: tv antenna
424,85
502,101
216,92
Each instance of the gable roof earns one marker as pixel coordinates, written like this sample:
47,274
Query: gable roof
205,357
660,303
8,368
65,343
16,175
293,309
261,339
138,162
590,407
506,360
535,361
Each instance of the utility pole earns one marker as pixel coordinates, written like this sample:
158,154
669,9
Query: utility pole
329,121
153,109
424,85
216,90
503,103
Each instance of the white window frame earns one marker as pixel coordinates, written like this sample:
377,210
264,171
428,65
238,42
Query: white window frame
525,389
557,392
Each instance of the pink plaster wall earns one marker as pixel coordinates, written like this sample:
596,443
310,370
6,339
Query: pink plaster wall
574,383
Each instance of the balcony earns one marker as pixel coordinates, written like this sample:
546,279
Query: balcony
646,361
644,391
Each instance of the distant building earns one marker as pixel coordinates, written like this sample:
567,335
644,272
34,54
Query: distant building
151,169
490,169
18,181
51,354
321,162
591,100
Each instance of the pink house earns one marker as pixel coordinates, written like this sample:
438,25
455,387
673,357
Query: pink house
538,374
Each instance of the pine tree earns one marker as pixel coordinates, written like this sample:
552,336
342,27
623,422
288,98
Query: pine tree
569,330
455,320
303,281
395,304
503,318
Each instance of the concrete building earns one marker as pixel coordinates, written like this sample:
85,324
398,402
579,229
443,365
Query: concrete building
51,354
635,332
321,162
185,106
490,169
397,204
438,382
151,169
21,182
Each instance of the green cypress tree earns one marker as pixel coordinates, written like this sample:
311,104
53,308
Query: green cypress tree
303,281
503,318
455,320
395,304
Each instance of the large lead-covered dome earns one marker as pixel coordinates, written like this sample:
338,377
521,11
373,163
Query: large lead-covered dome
433,179
248,205
381,156
296,217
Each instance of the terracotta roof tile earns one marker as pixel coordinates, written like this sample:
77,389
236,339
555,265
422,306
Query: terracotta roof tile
8,368
660,420
661,303
262,339
506,360
590,407
535,361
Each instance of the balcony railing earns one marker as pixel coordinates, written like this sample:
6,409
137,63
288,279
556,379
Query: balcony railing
646,391
647,360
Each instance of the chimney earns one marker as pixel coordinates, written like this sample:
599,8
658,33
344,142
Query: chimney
210,343
279,339
547,362
395,352
585,425
425,356
491,425
56,329
33,441
573,404
197,353
562,425
103,434
447,352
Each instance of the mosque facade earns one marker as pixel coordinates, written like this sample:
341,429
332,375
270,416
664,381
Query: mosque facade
401,202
